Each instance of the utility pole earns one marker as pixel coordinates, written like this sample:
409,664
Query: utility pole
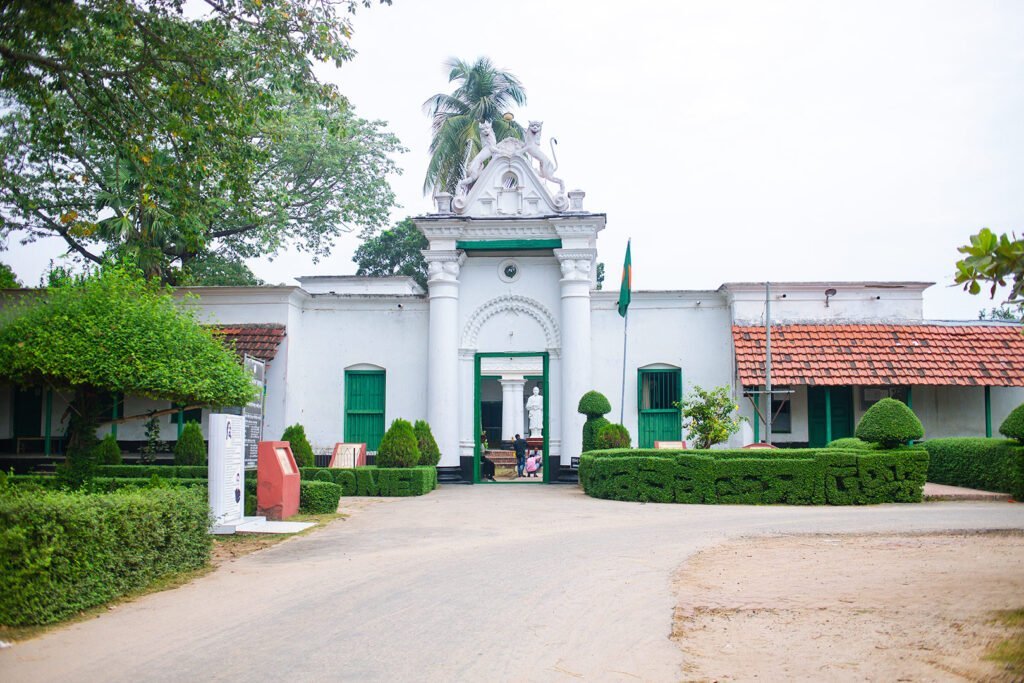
768,361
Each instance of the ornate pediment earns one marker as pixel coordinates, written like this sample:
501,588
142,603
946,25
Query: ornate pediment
502,180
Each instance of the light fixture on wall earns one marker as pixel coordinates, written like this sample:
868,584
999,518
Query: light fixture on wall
508,116
830,292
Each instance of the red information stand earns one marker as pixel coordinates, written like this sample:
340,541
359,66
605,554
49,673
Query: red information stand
277,481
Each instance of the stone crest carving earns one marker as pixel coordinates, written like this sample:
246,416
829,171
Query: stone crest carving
514,304
511,147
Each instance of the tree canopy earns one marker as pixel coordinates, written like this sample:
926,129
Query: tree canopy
993,260
394,252
483,93
148,129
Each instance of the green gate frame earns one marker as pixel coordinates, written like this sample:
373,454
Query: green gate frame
384,396
477,378
640,398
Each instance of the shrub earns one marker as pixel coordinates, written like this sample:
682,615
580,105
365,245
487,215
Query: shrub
107,452
1013,425
591,428
190,448
613,436
594,404
398,448
65,552
889,423
318,497
303,452
794,476
852,442
978,463
376,481
430,454
711,416
146,471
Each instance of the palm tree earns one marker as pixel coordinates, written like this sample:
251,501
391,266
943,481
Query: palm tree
484,93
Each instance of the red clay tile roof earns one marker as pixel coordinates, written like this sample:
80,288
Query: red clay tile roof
971,355
259,341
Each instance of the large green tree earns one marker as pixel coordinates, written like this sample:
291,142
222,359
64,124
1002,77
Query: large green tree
394,252
483,93
112,332
137,128
994,261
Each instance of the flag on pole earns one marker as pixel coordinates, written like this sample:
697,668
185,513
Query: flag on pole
627,283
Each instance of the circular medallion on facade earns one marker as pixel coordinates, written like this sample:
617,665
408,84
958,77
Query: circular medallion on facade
508,270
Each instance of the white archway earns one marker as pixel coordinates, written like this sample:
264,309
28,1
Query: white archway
513,303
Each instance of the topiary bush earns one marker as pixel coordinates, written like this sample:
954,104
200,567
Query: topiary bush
398,448
430,454
852,442
190,448
594,405
318,497
303,452
613,436
889,423
107,452
1013,425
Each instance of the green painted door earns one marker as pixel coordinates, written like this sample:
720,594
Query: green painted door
28,412
364,407
841,404
659,419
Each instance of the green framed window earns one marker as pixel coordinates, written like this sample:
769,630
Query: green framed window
194,415
658,390
364,407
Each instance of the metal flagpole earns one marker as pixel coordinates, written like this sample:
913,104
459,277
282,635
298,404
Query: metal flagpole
622,398
768,361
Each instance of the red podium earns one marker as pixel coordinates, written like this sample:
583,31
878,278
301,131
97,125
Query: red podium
277,481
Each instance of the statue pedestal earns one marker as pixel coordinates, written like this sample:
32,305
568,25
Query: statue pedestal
535,443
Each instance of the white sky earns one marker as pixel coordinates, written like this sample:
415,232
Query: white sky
733,141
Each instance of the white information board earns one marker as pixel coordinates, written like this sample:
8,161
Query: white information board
226,476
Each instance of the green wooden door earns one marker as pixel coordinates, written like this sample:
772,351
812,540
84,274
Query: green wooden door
840,401
364,407
27,412
659,419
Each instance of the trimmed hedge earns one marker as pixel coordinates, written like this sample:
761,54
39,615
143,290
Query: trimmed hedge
978,463
376,481
147,471
66,552
1013,426
852,442
318,497
794,476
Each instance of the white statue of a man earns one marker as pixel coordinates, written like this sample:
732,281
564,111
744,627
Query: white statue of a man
535,408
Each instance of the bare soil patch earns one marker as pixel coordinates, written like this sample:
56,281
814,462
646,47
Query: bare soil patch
850,608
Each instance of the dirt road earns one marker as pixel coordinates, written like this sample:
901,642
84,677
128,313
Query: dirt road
518,583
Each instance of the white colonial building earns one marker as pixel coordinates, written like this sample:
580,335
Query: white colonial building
512,306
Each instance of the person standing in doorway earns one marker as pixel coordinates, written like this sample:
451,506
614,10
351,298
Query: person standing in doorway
519,445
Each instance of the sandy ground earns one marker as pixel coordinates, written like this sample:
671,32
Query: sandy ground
848,608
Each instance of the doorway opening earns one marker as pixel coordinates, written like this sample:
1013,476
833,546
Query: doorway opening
510,398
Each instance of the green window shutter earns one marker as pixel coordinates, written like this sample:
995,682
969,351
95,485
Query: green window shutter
364,407
659,419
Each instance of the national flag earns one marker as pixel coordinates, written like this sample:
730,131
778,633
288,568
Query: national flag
627,283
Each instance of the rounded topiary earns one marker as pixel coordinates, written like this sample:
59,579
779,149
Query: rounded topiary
318,497
889,423
852,443
190,448
303,452
591,428
1013,425
594,404
398,448
430,454
613,436
107,452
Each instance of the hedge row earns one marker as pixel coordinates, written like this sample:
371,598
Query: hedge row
377,481
65,552
978,463
147,471
318,497
794,477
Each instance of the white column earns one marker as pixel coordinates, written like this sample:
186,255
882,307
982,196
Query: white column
443,351
511,407
577,265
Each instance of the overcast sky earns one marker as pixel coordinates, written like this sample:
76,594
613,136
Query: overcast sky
733,141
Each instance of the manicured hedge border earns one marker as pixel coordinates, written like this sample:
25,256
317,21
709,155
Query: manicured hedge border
65,552
830,476
978,463
376,481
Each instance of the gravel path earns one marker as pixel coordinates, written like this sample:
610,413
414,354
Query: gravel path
531,583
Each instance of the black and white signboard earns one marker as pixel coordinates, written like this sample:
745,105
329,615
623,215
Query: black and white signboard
226,476
574,462
253,412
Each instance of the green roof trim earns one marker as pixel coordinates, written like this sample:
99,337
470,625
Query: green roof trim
508,245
